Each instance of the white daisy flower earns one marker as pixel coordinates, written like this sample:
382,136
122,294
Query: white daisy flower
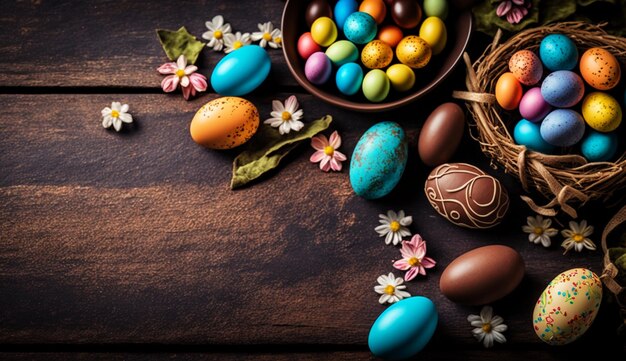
236,41
286,117
577,237
217,31
539,230
390,288
115,115
488,327
268,36
394,226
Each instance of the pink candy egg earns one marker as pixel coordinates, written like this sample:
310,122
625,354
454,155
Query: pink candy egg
306,46
526,67
533,107
318,68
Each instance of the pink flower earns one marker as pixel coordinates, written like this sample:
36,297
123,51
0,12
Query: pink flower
514,10
414,258
327,153
183,75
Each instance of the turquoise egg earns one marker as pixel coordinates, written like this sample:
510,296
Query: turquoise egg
528,133
558,52
343,9
241,71
599,147
378,160
360,28
349,78
403,329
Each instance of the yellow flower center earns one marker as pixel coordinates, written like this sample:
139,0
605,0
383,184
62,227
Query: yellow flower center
328,150
394,226
486,327
538,231
413,261
578,238
217,34
267,36
390,290
115,113
278,40
237,44
286,115
180,73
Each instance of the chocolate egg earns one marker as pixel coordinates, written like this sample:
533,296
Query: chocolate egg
466,196
482,275
406,13
317,9
441,134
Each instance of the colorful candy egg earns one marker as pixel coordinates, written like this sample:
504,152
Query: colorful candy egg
360,28
528,134
349,78
343,9
376,54
413,51
602,112
376,8
433,31
306,46
375,85
407,14
533,107
224,123
526,67
342,52
391,35
600,69
241,71
508,91
558,52
438,8
401,77
562,127
599,147
318,68
562,89
324,31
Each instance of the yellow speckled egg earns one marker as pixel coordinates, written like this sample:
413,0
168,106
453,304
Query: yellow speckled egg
433,31
413,51
224,123
600,69
602,112
401,77
376,54
568,306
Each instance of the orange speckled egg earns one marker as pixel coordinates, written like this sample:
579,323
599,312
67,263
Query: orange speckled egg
224,123
376,54
390,34
508,91
376,8
600,69
526,67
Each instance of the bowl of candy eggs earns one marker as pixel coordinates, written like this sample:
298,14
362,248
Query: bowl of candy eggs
373,55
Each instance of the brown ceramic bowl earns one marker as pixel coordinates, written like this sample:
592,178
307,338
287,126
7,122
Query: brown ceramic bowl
459,28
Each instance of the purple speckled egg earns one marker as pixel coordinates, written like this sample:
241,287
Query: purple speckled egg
562,89
318,68
533,107
563,127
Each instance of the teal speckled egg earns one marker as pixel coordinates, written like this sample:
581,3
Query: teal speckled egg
241,71
378,160
403,329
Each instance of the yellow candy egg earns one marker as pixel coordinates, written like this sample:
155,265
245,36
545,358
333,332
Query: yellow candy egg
413,51
602,112
433,31
324,31
401,77
224,123
376,54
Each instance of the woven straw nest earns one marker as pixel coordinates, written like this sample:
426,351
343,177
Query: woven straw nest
567,181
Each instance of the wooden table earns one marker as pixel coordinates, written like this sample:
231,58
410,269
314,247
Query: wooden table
132,246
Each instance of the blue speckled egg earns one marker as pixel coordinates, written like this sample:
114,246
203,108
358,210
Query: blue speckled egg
562,89
378,160
241,71
349,78
599,147
527,133
403,329
343,9
360,28
558,52
563,127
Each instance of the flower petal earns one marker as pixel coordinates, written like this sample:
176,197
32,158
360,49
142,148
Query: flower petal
116,106
317,156
126,118
428,262
198,81
402,265
486,314
184,81
169,83
117,124
319,142
291,104
190,69
107,121
335,140
181,62
335,165
167,68
411,274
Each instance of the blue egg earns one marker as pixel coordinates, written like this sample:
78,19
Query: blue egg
378,160
558,52
562,127
403,329
360,28
599,147
528,133
343,9
349,78
562,89
241,71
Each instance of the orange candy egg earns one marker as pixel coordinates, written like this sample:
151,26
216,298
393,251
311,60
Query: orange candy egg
224,123
600,69
390,34
376,8
508,91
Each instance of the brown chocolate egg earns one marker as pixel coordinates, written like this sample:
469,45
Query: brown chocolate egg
406,13
317,9
441,134
466,196
482,275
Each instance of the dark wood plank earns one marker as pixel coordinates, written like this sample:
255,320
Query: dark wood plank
136,238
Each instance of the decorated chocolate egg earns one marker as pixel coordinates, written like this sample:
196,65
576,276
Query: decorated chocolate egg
558,52
306,46
324,31
562,89
318,68
360,28
349,78
528,134
599,147
600,68
343,9
413,51
376,8
224,123
376,54
602,112
390,34
433,31
401,77
533,107
526,67
241,71
342,52
508,91
562,127
407,14
375,85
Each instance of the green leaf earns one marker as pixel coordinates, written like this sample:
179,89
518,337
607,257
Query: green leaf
180,42
268,147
